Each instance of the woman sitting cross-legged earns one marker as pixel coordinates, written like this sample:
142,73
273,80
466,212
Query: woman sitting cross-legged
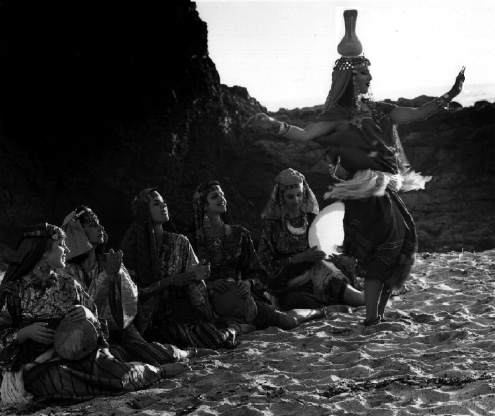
34,300
107,281
238,280
172,294
298,274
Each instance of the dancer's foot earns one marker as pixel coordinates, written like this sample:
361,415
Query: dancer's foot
371,322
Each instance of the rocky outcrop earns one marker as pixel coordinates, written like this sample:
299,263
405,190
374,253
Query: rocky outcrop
99,102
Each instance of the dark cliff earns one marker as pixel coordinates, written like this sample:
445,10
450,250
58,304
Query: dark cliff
98,102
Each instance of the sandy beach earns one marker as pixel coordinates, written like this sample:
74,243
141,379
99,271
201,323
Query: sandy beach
433,355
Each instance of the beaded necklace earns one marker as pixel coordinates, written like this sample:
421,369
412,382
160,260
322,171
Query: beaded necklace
37,282
297,230
214,245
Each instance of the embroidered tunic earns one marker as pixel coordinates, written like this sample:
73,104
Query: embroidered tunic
324,285
235,258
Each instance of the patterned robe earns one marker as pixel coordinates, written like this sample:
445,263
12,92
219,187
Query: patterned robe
24,302
118,296
180,315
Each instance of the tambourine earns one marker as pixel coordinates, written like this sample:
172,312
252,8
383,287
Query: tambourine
75,339
327,230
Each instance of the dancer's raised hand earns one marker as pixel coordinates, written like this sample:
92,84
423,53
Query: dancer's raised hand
457,87
264,122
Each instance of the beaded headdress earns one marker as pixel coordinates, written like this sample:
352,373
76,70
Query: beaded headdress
51,231
143,198
289,179
30,248
198,204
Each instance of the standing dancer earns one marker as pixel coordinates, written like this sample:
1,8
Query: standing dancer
368,166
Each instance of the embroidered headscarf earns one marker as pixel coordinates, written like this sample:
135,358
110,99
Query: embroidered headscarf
199,202
30,248
289,179
77,240
139,244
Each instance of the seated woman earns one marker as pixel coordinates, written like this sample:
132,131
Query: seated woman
172,294
34,300
237,276
298,275
108,283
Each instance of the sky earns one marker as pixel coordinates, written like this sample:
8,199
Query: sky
283,51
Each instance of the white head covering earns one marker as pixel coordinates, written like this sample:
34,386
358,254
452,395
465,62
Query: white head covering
76,240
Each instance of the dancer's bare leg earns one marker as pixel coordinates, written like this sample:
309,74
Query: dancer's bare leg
372,293
384,298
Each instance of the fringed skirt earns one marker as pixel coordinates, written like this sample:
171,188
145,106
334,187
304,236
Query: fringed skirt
380,233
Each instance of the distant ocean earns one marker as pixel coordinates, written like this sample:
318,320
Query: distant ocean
469,95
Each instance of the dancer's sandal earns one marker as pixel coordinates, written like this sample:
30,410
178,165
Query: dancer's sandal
371,322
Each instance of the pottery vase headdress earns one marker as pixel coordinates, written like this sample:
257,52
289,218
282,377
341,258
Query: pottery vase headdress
351,60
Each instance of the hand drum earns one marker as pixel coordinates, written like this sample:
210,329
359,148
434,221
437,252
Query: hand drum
75,339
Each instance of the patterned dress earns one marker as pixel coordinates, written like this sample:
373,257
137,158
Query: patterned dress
324,285
116,298
26,302
180,315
